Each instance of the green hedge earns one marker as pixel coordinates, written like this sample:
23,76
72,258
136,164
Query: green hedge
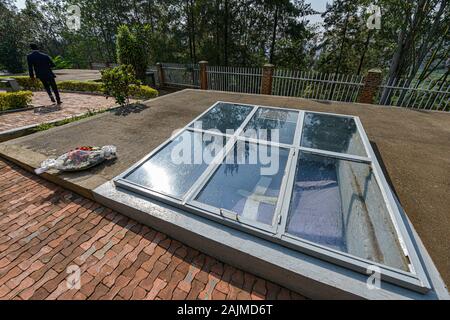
143,92
140,92
25,82
15,100
82,86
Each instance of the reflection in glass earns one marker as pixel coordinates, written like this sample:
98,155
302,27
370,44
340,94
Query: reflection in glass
224,116
338,204
239,186
175,168
266,120
332,133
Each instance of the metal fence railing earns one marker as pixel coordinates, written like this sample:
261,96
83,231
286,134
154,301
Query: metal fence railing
426,95
187,75
154,70
234,79
319,86
101,65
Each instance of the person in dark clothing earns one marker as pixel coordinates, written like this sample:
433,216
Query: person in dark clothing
41,65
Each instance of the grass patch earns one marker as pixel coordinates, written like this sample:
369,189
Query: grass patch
47,126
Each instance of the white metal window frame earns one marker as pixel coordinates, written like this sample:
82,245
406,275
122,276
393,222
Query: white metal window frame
416,279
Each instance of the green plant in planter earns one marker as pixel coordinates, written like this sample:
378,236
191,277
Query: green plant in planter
118,81
61,63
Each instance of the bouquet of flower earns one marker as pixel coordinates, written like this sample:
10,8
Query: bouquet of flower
79,159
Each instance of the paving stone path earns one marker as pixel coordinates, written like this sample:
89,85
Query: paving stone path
49,234
73,104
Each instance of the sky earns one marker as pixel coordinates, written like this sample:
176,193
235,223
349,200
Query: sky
318,5
20,4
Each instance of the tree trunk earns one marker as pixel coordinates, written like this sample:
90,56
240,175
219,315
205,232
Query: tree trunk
393,68
188,16
225,36
274,36
194,51
338,65
219,52
363,55
430,40
341,50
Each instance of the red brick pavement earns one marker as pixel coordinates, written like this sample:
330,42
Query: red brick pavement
46,230
73,104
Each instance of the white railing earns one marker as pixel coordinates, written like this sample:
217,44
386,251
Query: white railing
428,95
234,79
319,86
186,75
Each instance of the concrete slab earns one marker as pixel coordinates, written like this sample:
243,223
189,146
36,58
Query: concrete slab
302,273
414,146
77,74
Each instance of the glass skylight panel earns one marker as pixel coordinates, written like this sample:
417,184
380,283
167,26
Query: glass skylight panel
240,187
175,168
223,117
272,125
302,196
338,204
332,133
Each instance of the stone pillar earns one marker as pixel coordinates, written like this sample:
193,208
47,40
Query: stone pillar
160,69
372,82
203,75
267,79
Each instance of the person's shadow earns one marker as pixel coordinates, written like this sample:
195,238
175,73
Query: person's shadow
48,108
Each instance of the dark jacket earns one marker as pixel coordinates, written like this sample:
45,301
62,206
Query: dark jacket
42,65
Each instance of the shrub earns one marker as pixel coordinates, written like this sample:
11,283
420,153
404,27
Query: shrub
118,81
82,86
15,100
61,63
136,91
132,47
25,82
143,92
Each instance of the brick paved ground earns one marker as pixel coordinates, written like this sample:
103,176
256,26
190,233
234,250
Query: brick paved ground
45,229
73,104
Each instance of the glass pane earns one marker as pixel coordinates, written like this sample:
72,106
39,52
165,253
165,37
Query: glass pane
248,182
272,125
338,204
223,116
332,133
175,168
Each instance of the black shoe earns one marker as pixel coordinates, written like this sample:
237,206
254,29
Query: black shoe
59,102
52,99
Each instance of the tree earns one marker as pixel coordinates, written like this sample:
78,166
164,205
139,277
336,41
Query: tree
342,24
419,36
132,47
12,46
288,29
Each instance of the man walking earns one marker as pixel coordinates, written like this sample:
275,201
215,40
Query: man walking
41,65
